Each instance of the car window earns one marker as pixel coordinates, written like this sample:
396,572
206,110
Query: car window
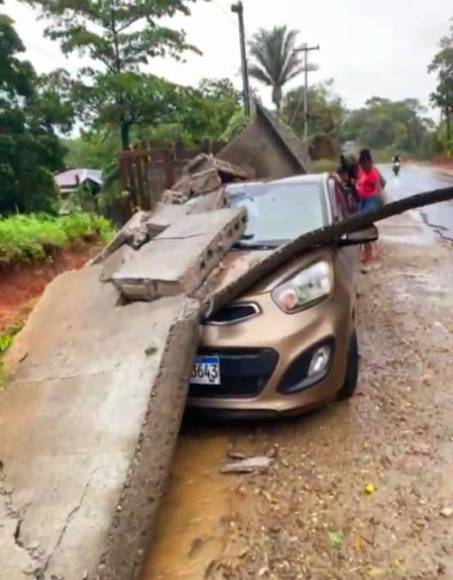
279,212
341,209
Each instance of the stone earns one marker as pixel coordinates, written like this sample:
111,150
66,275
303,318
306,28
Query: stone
179,259
257,464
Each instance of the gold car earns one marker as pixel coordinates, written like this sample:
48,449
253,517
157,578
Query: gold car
289,344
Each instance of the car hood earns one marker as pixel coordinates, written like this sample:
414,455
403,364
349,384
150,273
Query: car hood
238,262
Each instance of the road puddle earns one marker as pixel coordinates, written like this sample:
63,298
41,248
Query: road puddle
195,515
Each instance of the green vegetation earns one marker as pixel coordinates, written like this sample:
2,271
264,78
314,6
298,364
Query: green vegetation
326,109
30,113
275,59
118,37
29,238
400,125
382,124
6,340
442,97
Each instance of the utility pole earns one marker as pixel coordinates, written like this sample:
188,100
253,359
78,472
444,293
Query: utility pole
306,49
238,8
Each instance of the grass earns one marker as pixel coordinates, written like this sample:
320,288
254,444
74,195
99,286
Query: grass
31,238
6,340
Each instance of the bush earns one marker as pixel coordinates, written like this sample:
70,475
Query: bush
30,238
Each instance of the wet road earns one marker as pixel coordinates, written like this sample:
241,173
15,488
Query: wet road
413,180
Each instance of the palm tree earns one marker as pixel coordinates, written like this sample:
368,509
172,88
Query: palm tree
277,60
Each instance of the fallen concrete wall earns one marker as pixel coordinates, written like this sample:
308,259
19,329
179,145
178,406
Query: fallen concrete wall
96,390
180,258
88,424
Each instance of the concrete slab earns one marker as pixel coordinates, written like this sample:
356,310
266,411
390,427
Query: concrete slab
87,427
208,202
179,259
134,233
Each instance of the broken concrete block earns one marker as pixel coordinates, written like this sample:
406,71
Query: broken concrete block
114,261
90,417
193,185
173,197
204,182
134,233
164,216
208,202
179,259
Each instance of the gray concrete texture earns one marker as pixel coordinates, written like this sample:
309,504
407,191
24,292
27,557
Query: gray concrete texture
88,423
180,258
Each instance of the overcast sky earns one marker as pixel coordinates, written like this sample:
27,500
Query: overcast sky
380,47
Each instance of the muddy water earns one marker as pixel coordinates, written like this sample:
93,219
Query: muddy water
196,513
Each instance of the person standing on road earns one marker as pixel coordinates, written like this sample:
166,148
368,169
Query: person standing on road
371,199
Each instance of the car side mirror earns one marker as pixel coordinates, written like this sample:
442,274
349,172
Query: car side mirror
364,236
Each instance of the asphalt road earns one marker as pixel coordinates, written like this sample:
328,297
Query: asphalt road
413,180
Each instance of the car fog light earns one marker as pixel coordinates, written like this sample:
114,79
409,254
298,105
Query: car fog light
320,360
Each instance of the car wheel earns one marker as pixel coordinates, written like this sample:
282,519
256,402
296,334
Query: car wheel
352,370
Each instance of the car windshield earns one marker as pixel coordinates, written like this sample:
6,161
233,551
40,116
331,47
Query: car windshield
279,212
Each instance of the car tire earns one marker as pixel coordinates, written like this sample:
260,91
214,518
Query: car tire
352,370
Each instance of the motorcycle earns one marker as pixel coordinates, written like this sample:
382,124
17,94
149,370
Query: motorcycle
396,168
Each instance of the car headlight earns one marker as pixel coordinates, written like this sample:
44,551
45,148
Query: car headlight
305,289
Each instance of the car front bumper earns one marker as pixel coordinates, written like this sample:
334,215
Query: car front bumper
257,357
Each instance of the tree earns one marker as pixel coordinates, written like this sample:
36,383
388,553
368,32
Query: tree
119,36
276,59
382,123
30,150
326,110
195,114
206,111
442,64
125,100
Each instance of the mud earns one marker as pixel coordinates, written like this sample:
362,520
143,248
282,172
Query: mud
362,489
22,285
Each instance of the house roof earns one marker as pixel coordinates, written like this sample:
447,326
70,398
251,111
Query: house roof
286,136
72,178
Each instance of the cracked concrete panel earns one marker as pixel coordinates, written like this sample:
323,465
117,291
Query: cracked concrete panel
180,258
15,562
84,376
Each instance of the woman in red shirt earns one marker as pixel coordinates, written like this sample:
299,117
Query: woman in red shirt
369,189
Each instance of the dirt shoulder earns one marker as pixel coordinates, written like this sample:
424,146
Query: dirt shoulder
21,285
310,516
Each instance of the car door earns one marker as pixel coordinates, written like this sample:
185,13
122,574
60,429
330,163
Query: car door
347,259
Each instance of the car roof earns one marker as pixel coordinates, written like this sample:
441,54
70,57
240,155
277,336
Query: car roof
312,178
245,187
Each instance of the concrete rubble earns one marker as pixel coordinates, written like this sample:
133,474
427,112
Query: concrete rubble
179,259
97,384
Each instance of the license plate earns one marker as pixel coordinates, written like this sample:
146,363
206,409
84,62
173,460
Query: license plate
206,371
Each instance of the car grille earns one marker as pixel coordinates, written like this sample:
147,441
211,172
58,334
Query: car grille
234,313
244,373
